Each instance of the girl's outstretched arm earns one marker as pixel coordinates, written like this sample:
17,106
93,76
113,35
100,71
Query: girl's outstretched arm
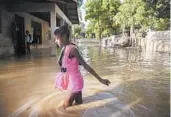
76,54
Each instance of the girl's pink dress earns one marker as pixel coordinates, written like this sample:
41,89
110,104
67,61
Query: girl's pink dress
74,82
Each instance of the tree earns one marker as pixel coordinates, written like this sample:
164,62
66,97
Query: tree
94,12
89,29
110,7
139,14
101,13
161,7
161,14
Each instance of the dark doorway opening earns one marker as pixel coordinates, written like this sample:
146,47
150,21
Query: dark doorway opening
37,32
20,38
58,22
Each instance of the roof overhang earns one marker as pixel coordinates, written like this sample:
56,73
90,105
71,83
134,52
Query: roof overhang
68,7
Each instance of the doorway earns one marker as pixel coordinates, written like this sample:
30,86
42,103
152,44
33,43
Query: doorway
20,42
37,32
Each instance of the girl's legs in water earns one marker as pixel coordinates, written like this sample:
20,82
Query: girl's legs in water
69,100
71,97
78,98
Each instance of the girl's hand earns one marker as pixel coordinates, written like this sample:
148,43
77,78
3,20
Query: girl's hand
105,81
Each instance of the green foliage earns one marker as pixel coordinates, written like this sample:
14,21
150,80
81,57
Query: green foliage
137,13
132,13
101,13
90,29
161,24
161,8
109,16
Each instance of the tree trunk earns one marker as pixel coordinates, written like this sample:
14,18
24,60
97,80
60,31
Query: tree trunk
99,30
123,29
131,36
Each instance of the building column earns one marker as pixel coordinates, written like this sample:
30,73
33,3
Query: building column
53,27
62,22
71,38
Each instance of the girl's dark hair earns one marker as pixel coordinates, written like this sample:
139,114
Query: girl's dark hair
63,31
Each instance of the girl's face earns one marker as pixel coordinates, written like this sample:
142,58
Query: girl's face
58,40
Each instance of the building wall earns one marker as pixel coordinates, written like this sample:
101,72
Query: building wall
156,41
6,46
45,26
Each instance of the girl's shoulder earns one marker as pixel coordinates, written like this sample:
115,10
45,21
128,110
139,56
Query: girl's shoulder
72,46
69,48
74,50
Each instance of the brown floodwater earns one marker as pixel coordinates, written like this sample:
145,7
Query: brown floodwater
140,84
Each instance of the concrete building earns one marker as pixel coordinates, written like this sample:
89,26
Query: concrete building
40,17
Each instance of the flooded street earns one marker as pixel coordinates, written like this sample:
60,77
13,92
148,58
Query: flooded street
140,84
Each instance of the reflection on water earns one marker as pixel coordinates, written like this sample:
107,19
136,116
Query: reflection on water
139,85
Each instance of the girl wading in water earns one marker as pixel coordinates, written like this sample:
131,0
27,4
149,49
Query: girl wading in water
70,78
